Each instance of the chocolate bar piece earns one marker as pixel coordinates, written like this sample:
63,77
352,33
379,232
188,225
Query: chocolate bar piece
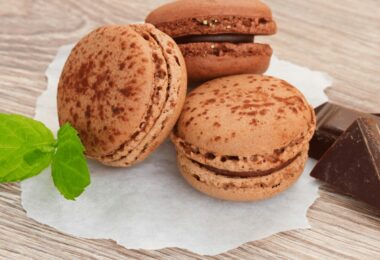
332,121
352,164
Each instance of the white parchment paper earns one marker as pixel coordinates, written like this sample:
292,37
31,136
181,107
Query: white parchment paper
150,206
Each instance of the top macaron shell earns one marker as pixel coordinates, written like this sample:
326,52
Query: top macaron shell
244,123
117,83
194,17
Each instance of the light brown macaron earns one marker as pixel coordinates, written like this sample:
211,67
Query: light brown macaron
123,88
244,137
216,37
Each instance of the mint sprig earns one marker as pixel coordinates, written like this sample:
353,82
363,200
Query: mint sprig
27,147
69,168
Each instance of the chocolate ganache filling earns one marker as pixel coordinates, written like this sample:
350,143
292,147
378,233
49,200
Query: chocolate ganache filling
250,174
231,38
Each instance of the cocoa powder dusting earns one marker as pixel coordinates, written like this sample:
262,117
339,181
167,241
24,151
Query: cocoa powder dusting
88,112
263,112
217,139
127,92
209,101
75,117
217,124
121,65
253,122
117,110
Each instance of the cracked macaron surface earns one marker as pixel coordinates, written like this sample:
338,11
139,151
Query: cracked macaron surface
122,88
244,127
217,37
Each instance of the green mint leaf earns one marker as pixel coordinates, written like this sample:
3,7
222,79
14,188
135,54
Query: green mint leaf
26,147
69,168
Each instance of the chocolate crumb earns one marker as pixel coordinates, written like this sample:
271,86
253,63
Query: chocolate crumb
177,60
210,156
197,177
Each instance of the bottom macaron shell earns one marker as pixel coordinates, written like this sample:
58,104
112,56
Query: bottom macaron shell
240,189
205,61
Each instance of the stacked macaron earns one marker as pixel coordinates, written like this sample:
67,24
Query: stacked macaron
242,138
217,37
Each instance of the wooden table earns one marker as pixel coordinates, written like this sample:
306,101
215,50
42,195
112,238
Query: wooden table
340,37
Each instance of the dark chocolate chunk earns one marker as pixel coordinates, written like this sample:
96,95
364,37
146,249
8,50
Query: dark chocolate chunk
332,121
352,164
232,38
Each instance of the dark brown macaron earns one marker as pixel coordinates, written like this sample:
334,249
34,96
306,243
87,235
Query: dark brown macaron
217,37
123,88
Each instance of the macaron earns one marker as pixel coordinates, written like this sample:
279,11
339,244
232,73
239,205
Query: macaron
123,88
217,37
244,137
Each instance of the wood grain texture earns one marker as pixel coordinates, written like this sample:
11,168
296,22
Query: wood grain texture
339,37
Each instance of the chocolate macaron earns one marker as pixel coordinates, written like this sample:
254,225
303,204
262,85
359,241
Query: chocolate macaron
244,137
216,37
123,88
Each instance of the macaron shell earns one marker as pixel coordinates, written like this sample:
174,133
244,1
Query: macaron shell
101,89
245,115
172,103
240,189
123,88
206,61
192,17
